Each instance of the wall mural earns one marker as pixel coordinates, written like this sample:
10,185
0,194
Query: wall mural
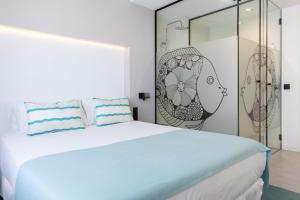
269,94
188,90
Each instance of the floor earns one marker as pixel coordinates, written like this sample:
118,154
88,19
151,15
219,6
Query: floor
285,170
276,193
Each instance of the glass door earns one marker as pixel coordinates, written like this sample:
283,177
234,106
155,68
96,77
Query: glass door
272,75
250,109
260,72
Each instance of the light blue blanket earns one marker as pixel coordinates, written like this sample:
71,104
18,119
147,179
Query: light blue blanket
155,167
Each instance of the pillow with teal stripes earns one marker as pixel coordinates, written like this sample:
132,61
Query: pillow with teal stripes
57,117
112,111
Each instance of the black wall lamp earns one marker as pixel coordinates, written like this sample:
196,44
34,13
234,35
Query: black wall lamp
144,96
287,86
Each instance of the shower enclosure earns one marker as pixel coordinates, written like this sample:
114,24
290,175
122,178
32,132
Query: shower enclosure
218,67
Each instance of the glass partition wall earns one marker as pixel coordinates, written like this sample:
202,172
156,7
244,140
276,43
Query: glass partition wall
218,67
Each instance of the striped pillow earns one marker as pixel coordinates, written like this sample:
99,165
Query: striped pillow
112,111
51,118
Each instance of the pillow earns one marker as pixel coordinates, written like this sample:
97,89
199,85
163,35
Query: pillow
57,117
89,108
112,111
21,118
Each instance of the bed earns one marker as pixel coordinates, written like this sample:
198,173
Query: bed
28,164
240,180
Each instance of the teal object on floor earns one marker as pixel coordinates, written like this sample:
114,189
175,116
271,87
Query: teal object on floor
276,193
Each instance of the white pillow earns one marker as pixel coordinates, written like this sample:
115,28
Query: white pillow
112,111
57,117
21,117
89,108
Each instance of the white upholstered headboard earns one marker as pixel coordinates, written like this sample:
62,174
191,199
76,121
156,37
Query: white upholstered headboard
37,66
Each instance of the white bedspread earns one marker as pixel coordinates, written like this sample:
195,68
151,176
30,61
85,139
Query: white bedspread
16,148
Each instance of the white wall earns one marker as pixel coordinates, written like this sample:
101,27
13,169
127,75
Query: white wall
42,67
291,74
111,21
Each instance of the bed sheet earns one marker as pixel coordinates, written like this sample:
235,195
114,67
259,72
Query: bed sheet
17,148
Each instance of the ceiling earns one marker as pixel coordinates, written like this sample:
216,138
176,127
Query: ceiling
188,9
286,3
155,4
152,4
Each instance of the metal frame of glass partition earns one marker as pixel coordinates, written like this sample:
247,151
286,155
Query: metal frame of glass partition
280,136
261,19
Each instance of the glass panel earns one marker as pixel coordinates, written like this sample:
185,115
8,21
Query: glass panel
250,110
196,86
213,27
215,36
260,72
273,76
264,84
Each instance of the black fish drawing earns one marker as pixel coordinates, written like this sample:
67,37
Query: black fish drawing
260,85
188,90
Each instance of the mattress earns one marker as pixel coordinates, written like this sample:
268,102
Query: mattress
16,148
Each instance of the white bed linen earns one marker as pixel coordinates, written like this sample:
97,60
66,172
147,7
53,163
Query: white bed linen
254,192
228,184
17,148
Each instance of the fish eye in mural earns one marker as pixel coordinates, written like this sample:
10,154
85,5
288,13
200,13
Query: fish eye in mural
188,90
266,88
